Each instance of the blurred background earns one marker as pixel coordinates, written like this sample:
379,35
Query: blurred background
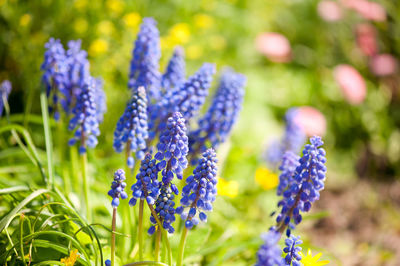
337,61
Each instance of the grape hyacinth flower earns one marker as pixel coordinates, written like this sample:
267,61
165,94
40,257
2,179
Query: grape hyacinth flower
290,161
5,90
100,99
146,186
117,188
292,250
144,68
55,73
131,131
216,124
175,73
200,190
84,122
269,253
77,74
186,99
308,180
172,152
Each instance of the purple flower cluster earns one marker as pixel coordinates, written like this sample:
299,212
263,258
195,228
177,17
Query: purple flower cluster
131,130
269,253
175,72
186,99
84,121
144,69
200,190
165,210
292,250
306,183
146,186
117,188
216,124
5,90
290,161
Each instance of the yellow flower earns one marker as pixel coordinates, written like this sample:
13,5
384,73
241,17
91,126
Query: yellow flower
98,47
131,19
309,260
203,21
115,6
25,20
194,51
70,261
227,188
80,25
80,4
180,33
105,27
265,178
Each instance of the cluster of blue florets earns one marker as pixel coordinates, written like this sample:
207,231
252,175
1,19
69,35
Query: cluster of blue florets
5,90
200,190
308,180
290,161
292,250
131,128
147,186
165,210
117,188
84,121
186,99
292,140
144,70
216,124
175,72
173,148
270,254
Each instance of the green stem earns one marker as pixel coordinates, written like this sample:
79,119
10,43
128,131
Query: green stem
85,186
140,229
47,136
21,242
182,246
74,166
146,263
114,218
164,233
157,250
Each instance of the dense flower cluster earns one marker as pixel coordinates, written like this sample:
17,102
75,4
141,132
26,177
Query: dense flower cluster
100,99
165,210
293,139
308,180
55,73
145,60
146,186
175,72
200,190
5,90
290,161
131,130
84,121
117,188
269,253
216,124
292,250
173,148
186,99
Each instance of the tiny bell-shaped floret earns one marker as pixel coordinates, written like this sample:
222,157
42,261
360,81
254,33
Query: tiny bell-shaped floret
292,250
117,188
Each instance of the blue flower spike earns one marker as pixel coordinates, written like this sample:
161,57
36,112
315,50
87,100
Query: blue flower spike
292,250
117,188
304,187
144,69
175,72
131,130
270,253
200,190
5,90
216,125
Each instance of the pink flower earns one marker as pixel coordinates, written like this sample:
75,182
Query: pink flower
383,65
311,120
329,10
274,46
367,9
351,83
366,39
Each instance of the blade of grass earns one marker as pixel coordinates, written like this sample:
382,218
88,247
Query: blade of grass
47,136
